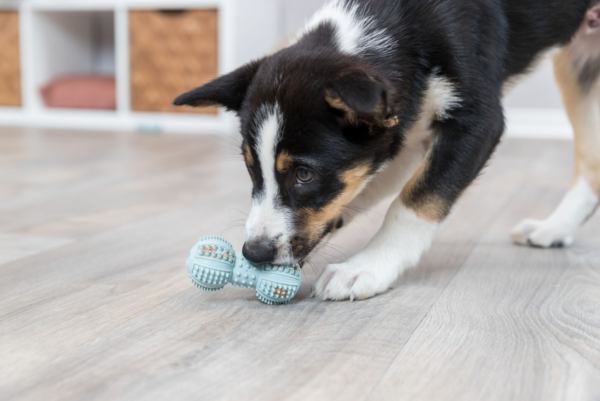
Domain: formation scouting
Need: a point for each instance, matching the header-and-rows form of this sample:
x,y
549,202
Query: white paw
x,y
541,233
351,280
397,246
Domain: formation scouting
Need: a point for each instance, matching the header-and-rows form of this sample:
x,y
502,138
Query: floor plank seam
x,y
462,263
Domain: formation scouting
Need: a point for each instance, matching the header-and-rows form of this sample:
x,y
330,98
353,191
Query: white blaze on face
x,y
268,218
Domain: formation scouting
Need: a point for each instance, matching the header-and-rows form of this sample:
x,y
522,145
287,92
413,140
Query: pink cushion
x,y
81,92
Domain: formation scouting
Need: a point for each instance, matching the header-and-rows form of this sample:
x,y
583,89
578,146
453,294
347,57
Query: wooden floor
x,y
95,302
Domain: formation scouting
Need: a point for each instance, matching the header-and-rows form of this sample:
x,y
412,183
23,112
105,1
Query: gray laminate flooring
x,y
95,303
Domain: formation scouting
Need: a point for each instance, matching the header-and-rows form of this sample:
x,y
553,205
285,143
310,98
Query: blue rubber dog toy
x,y
212,264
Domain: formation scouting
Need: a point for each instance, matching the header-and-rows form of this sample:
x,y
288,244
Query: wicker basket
x,y
171,53
10,65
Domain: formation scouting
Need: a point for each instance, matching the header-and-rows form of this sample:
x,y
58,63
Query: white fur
x,y
268,218
441,98
356,31
577,205
397,246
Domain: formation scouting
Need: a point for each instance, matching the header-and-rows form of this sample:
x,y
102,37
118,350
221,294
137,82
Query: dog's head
x,y
316,128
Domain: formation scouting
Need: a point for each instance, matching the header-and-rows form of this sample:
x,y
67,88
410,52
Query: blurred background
x,y
117,65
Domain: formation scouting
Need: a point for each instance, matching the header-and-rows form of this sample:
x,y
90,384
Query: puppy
x,y
410,90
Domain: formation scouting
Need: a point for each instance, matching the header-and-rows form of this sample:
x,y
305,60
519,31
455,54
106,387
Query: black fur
x,y
360,92
227,91
477,45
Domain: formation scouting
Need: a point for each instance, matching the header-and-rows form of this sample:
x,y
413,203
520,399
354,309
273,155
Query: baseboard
x,y
538,123
103,120
521,123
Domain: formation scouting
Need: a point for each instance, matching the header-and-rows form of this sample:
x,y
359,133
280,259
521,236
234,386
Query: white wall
x,y
538,90
295,13
251,16
251,31
534,106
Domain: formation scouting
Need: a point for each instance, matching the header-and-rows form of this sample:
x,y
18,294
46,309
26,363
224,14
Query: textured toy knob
x,y
212,264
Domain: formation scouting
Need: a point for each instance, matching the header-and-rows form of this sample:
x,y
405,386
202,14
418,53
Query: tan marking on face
x,y
391,122
248,156
584,115
284,162
316,221
432,208
336,102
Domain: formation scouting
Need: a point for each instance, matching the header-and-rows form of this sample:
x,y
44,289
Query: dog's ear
x,y
362,99
227,91
593,19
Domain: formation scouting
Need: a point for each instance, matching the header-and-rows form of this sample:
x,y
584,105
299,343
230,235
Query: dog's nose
x,y
261,251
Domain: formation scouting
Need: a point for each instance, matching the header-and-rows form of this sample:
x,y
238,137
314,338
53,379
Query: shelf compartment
x,y
171,52
10,64
70,45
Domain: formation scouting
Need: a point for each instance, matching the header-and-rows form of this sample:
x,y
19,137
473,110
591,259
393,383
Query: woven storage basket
x,y
10,65
171,53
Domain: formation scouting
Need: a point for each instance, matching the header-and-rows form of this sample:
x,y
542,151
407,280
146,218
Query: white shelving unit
x,y
84,36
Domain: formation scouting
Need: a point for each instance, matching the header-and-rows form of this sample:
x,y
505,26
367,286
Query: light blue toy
x,y
212,264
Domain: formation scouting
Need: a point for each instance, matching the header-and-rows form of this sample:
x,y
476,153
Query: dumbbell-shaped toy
x,y
212,264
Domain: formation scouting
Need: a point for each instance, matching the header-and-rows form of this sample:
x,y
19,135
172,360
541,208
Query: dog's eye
x,y
304,176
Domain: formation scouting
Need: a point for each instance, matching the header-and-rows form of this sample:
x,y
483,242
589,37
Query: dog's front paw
x,y
542,234
350,280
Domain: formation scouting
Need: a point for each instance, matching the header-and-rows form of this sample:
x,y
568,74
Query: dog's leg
x,y
390,181
439,99
459,152
577,69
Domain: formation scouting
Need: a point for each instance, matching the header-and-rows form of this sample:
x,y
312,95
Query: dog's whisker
x,y
359,223
237,223
229,228
238,210
313,267
342,254
336,247
324,257
364,210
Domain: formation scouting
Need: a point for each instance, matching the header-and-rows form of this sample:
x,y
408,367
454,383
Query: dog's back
x,y
520,28
534,25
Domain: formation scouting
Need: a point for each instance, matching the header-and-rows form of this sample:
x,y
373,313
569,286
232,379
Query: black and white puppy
x,y
407,89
